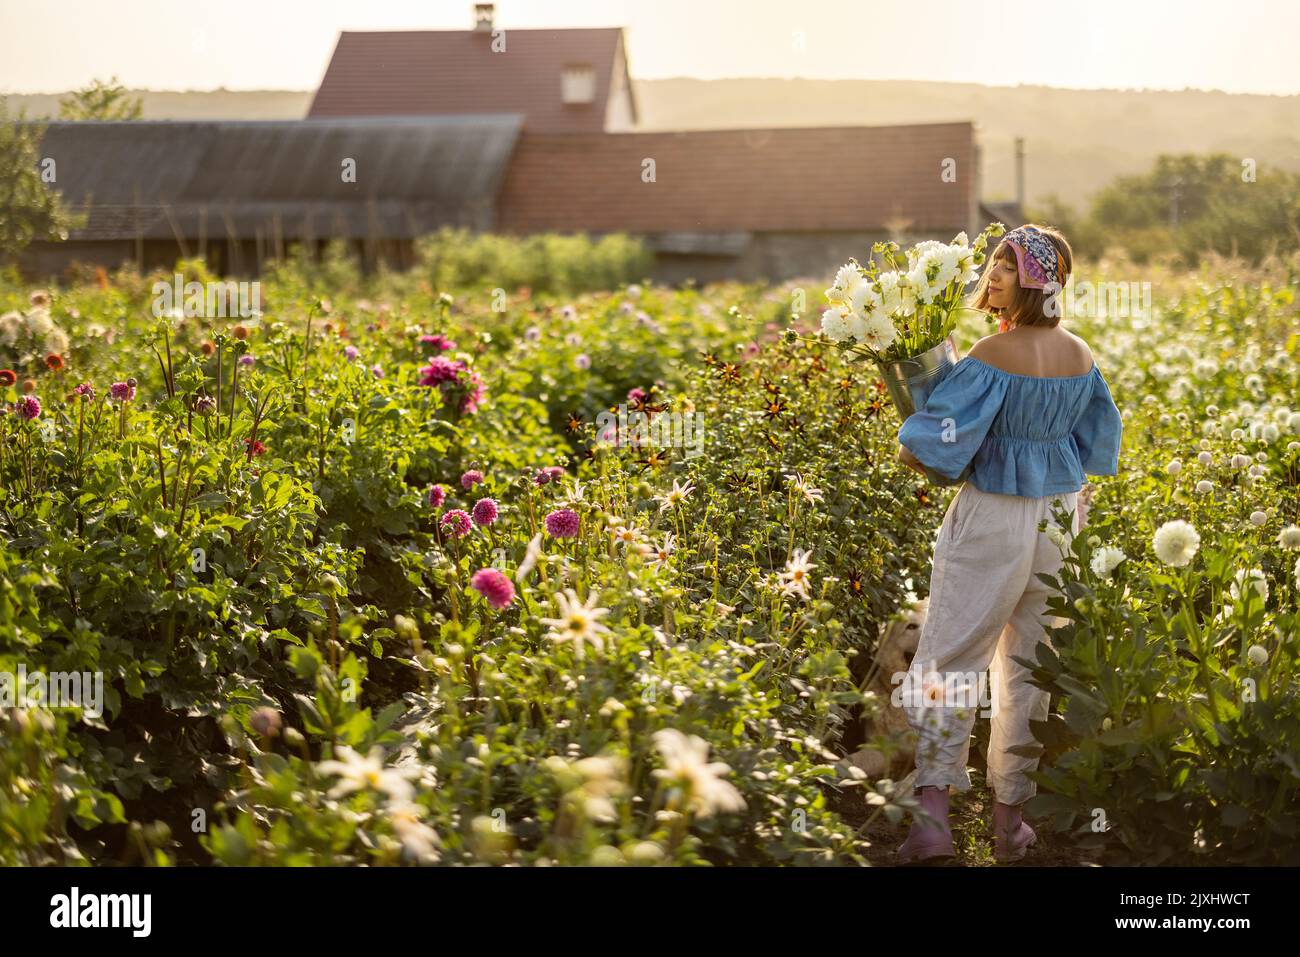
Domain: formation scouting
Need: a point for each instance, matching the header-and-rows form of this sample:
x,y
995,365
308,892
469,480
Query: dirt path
x,y
971,816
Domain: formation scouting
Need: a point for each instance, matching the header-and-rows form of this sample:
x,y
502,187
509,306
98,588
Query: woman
x,y
1031,413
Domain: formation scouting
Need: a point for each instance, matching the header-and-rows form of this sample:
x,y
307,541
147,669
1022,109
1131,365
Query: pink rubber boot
x,y
1012,837
929,839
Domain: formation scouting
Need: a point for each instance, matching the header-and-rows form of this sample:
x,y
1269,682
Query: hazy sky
x,y
1246,46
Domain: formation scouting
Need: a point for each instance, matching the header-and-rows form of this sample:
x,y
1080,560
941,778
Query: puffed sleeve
x,y
1098,431
947,431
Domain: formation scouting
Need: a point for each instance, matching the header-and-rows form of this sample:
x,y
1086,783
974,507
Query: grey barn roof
x,y
155,179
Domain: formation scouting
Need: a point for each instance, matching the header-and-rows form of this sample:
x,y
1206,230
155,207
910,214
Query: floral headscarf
x,y
1037,258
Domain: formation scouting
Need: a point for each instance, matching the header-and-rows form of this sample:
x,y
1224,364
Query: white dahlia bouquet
x,y
909,306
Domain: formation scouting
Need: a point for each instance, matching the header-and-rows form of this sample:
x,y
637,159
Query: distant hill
x,y
1075,140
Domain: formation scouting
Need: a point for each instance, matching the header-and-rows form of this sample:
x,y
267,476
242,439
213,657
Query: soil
x,y
971,815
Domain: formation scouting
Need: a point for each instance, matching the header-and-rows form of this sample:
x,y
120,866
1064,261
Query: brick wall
x,y
824,178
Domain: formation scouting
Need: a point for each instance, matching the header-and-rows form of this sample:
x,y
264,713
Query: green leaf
x,y
1234,815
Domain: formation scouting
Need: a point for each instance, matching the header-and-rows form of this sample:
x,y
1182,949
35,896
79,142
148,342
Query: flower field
x,y
370,579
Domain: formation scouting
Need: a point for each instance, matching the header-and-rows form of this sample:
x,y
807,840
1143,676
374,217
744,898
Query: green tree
x,y
1179,190
1190,205
101,101
29,209
1253,219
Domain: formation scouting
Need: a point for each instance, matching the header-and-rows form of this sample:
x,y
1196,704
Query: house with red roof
x,y
512,131
563,81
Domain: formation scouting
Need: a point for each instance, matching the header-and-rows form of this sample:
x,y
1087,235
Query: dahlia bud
x,y
265,721
406,628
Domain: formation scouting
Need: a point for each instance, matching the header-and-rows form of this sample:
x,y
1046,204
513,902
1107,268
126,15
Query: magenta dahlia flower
x,y
121,392
470,479
456,523
562,523
494,586
351,352
485,511
439,370
437,495
439,342
457,382
29,407
551,473
474,393
85,389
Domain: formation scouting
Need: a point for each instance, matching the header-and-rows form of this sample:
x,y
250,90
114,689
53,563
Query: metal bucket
x,y
910,382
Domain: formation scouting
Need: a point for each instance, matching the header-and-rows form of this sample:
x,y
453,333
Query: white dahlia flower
x,y
1255,577
1176,542
835,324
1105,559
878,332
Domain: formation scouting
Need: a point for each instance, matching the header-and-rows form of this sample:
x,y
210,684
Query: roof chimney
x,y
482,18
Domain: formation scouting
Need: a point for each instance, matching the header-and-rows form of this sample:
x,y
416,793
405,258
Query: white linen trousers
x,y
986,604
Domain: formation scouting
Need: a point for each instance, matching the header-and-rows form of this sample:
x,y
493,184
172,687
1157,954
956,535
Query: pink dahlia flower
x,y
439,370
562,523
485,511
439,342
494,586
551,473
457,382
475,391
456,523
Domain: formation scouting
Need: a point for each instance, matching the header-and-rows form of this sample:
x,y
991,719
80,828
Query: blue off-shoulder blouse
x,y
1019,434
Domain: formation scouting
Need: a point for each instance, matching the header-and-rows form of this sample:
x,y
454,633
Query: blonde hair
x,y
1028,305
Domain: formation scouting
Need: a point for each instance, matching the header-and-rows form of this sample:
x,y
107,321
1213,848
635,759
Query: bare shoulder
x,y
1084,351
1030,351
985,349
